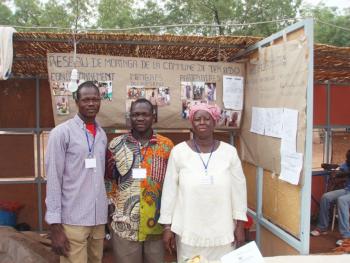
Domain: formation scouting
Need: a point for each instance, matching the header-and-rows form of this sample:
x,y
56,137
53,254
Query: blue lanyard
x,y
198,151
90,147
141,156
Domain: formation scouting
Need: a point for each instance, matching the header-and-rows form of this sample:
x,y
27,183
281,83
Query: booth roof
x,y
30,49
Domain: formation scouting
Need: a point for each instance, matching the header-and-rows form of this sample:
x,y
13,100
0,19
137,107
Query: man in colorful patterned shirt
x,y
136,165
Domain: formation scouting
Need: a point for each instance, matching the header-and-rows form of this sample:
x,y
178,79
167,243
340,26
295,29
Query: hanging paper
x,y
233,92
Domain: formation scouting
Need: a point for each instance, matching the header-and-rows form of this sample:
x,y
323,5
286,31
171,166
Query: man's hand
x,y
169,240
239,234
111,209
60,244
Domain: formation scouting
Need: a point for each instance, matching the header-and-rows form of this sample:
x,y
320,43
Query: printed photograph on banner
x,y
60,88
62,104
163,96
186,106
198,90
210,91
106,89
135,92
230,118
159,97
152,95
186,90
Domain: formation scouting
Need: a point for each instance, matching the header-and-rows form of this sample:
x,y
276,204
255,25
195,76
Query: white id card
x,y
206,180
90,163
139,173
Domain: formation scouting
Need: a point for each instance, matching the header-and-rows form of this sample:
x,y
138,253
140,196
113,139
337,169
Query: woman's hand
x,y
169,240
60,243
239,234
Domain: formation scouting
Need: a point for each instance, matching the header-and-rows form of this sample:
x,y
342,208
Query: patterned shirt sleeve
x,y
110,164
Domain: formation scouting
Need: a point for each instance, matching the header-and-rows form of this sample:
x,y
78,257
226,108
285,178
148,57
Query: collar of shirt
x,y
81,123
152,141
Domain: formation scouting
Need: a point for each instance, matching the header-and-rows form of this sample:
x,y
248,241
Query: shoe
x,y
317,232
339,242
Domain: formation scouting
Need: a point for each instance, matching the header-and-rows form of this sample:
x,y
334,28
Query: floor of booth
x,y
16,245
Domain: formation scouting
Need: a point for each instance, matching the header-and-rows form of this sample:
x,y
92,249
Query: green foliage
x,y
27,13
55,15
149,15
83,12
198,17
325,33
271,10
115,14
6,16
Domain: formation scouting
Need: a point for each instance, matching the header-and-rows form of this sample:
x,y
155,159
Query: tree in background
x,y
115,14
55,14
325,33
252,11
27,12
199,17
6,16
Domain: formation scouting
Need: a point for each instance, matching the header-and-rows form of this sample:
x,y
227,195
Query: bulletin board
x,y
171,85
276,78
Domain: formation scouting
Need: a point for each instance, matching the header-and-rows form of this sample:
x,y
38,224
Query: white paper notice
x,y
273,122
233,92
258,120
246,254
289,131
291,164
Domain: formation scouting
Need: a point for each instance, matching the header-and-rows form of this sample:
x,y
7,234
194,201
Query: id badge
x,y
139,173
90,163
206,180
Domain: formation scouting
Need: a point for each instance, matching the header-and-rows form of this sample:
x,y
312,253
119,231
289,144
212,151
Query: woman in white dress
x,y
204,199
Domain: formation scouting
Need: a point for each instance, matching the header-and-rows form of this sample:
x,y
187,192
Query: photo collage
x,y
196,92
193,93
62,94
158,96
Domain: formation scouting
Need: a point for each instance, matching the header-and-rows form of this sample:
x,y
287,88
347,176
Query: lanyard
x,y
90,147
141,156
198,151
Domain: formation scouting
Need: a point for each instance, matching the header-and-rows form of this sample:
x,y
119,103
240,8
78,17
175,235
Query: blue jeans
x,y
343,203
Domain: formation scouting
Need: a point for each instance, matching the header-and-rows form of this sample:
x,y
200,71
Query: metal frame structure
x,y
328,126
303,243
38,179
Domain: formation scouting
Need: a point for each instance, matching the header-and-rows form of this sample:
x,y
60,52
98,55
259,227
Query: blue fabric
x,y
7,218
343,202
342,197
345,168
321,173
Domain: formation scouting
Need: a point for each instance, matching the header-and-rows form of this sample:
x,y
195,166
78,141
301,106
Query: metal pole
x,y
259,203
305,208
328,122
38,160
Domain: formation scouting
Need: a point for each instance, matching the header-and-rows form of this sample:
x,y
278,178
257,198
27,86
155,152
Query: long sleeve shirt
x,y
75,195
202,212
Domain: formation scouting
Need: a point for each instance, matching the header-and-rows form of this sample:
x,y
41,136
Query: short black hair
x,y
348,154
86,84
142,100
